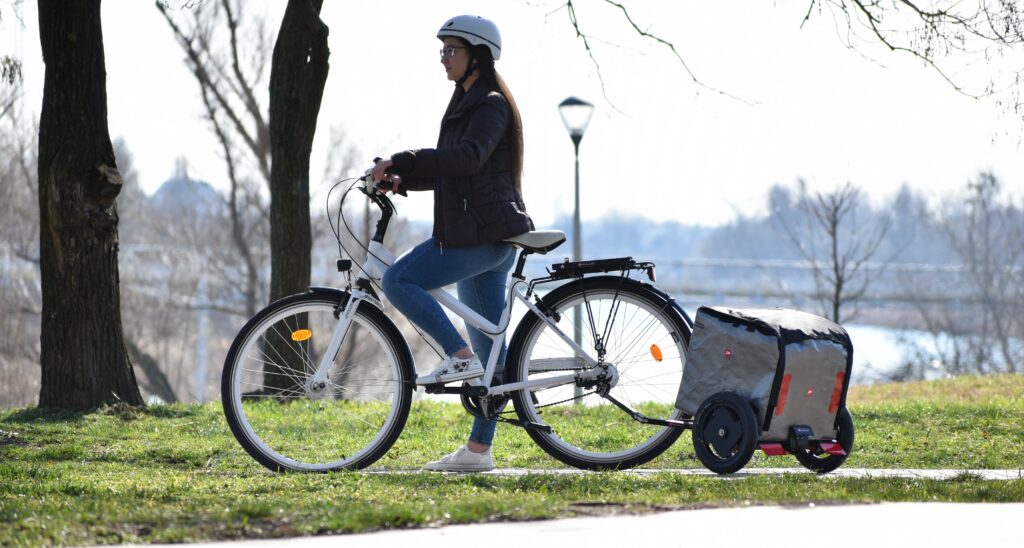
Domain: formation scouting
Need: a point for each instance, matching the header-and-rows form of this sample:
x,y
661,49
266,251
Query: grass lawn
x,y
175,473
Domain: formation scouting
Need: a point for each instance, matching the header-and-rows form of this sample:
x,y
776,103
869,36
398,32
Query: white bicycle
x,y
324,380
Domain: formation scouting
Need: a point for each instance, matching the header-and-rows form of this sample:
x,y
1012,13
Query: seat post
x,y
520,264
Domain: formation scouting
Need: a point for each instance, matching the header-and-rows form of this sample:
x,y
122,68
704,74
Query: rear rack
x,y
567,269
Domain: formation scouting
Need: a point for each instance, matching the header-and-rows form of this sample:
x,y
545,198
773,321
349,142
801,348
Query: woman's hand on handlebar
x,y
379,173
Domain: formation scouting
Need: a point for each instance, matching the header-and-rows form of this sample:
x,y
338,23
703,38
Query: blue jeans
x,y
481,275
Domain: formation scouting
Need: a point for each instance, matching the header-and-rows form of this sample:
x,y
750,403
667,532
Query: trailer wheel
x,y
725,432
822,462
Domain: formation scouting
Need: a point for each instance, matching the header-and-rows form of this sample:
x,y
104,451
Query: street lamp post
x,y
576,117
576,114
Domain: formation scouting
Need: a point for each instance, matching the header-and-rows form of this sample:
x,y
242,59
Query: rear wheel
x,y
822,462
641,340
286,424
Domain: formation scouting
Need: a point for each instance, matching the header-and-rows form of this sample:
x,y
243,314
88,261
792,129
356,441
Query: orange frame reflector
x,y
783,392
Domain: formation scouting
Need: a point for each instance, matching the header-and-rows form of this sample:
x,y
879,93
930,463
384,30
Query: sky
x,y
798,103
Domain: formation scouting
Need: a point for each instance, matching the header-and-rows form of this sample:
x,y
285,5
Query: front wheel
x,y
283,421
637,336
725,432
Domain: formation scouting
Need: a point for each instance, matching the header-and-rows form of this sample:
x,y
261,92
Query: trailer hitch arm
x,y
643,419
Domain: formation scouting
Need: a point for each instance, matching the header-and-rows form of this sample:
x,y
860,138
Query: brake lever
x,y
369,187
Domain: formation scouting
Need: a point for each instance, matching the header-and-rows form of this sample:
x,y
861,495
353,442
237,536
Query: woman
x,y
475,173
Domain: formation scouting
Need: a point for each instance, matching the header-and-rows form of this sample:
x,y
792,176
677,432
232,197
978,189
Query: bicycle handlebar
x,y
376,193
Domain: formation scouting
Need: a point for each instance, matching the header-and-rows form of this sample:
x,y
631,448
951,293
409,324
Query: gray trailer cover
x,y
766,355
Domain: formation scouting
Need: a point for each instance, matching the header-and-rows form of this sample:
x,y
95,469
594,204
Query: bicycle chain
x,y
557,402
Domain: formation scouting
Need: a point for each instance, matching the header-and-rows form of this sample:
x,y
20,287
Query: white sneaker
x,y
453,369
463,460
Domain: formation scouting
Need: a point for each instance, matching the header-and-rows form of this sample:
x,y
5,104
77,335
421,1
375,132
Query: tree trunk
x,y
83,359
297,77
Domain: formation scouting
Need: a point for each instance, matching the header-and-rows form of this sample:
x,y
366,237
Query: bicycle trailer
x,y
773,379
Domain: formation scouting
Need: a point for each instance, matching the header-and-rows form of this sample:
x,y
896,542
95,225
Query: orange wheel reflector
x,y
301,335
656,352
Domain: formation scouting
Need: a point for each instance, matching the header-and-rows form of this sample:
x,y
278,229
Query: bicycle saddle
x,y
538,241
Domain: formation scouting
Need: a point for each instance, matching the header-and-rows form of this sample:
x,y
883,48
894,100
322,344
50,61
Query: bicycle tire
x,y
648,343
725,433
351,422
824,463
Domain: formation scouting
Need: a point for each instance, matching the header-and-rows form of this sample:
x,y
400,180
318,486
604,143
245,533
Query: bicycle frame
x,y
379,258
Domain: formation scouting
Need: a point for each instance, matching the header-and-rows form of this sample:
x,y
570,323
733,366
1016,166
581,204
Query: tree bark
x,y
84,361
297,78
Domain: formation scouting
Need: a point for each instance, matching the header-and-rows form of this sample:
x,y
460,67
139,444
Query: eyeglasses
x,y
448,52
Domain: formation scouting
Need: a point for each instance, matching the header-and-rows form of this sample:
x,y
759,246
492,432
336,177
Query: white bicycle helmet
x,y
474,29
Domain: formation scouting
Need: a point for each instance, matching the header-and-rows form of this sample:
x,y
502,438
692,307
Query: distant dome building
x,y
185,197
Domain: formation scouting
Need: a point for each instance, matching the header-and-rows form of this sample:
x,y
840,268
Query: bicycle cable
x,y
337,234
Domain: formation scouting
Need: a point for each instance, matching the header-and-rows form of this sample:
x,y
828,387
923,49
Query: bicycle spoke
x,y
282,370
302,358
349,423
590,431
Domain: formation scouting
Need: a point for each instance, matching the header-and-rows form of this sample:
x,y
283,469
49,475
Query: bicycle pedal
x,y
433,388
464,389
536,426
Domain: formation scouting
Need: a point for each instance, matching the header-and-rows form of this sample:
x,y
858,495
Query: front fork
x,y
316,383
378,259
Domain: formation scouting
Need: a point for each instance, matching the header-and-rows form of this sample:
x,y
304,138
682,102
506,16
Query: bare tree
x,y
83,359
19,222
297,79
20,298
10,67
130,204
837,236
281,143
229,76
973,317
947,35
989,238
132,196
964,41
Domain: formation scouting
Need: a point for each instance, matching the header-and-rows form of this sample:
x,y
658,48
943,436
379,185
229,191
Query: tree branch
x,y
570,8
256,143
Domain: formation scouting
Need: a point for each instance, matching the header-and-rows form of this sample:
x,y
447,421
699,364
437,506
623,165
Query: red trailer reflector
x,y
837,392
832,448
773,449
783,392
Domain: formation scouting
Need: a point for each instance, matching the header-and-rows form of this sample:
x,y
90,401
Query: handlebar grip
x,y
370,170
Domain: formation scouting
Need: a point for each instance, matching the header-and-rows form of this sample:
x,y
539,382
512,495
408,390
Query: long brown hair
x,y
485,64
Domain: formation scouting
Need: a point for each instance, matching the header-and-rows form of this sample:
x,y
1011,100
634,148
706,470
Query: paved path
x,y
901,525
748,472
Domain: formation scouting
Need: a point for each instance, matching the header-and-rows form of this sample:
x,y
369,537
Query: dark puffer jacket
x,y
470,172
